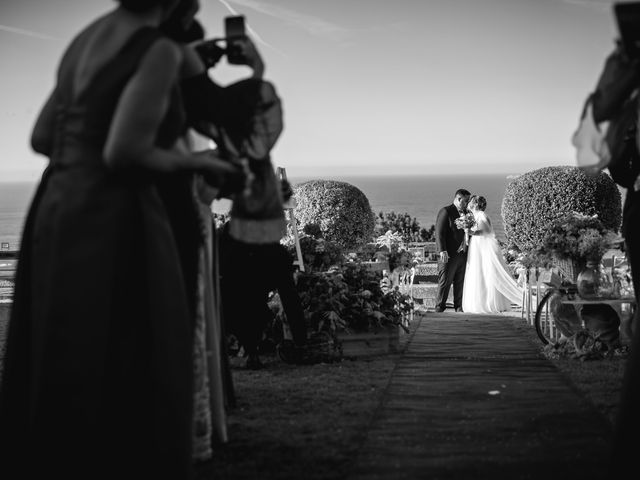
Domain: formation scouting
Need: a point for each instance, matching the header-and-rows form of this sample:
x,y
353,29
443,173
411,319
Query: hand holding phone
x,y
210,52
237,46
234,32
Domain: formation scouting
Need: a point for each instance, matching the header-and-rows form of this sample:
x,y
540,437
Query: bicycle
x,y
558,314
546,319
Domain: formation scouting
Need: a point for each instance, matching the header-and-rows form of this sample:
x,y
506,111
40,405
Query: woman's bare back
x,y
96,46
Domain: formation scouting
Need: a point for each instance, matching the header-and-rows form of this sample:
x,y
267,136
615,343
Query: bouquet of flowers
x,y
465,222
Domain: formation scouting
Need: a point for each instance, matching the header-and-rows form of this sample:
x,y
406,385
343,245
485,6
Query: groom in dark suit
x,y
452,251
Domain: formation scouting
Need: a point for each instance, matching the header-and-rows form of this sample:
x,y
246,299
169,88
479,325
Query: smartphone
x,y
234,29
627,17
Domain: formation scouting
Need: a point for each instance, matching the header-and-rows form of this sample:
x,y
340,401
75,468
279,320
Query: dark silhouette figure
x,y
614,100
244,119
250,272
98,369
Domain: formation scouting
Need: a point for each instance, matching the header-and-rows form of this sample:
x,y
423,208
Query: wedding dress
x,y
488,285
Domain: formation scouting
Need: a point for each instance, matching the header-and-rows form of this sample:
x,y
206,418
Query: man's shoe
x,y
459,309
439,309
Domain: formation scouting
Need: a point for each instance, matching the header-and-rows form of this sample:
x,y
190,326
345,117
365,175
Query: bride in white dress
x,y
488,285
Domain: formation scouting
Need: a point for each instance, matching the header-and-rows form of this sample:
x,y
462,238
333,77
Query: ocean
x,y
421,196
14,202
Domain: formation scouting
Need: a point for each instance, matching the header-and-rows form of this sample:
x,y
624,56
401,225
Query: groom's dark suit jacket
x,y
448,236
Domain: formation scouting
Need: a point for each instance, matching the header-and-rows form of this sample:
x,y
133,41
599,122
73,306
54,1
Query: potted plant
x,y
582,240
347,306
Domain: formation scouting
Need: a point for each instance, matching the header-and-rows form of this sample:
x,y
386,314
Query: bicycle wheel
x,y
545,321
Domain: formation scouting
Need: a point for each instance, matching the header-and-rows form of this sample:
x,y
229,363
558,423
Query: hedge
x,y
535,199
340,209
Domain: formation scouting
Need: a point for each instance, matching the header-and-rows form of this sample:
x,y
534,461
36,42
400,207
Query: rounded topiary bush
x,y
340,209
535,199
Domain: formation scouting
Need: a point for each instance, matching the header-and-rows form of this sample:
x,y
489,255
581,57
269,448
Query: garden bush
x,y
349,299
533,201
318,254
340,209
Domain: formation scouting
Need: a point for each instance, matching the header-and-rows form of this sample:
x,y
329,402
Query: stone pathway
x,y
472,399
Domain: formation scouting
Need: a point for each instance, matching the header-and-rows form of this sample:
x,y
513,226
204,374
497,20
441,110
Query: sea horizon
x,y
420,195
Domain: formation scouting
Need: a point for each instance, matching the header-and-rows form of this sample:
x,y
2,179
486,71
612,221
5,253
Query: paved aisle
x,y
471,399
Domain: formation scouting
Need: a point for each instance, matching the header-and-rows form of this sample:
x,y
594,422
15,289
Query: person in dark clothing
x,y
615,100
249,272
450,244
244,120
98,375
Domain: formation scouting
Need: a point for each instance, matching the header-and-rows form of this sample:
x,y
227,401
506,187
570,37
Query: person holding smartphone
x,y
245,120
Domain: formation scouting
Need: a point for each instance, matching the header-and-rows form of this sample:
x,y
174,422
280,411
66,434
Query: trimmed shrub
x,y
535,199
340,209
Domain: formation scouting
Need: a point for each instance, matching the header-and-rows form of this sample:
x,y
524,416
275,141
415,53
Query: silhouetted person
x,y
98,370
613,100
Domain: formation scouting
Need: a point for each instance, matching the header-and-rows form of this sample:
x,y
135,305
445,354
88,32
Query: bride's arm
x,y
483,226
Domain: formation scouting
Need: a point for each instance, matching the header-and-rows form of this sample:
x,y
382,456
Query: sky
x,y
368,86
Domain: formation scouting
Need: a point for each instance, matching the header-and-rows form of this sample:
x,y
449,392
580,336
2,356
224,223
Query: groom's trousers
x,y
451,273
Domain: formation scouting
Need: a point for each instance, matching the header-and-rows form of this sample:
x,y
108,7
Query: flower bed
x,y
348,304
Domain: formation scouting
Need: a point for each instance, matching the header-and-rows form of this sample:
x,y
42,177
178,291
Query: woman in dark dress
x,y
98,369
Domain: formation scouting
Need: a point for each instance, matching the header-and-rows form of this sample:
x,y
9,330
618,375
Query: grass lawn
x,y
299,421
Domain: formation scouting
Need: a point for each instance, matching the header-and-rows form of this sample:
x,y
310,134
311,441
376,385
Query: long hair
x,y
480,201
